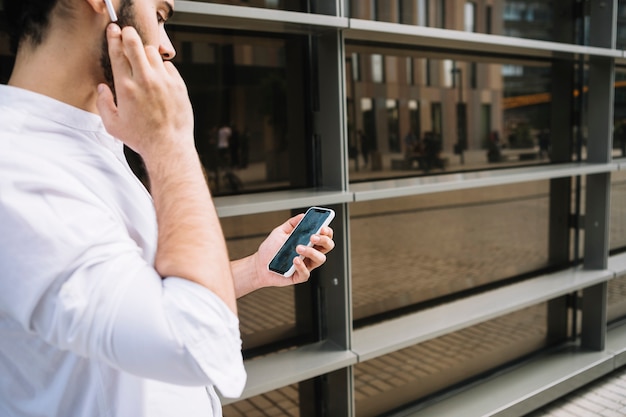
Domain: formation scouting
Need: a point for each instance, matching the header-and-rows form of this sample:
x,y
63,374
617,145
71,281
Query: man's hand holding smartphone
x,y
308,257
311,224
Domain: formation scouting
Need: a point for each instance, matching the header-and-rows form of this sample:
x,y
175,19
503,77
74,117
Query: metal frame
x,y
324,368
597,198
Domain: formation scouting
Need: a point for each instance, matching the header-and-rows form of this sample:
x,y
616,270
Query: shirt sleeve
x,y
189,326
73,275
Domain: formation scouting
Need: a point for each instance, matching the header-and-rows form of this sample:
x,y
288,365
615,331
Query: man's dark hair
x,y
27,20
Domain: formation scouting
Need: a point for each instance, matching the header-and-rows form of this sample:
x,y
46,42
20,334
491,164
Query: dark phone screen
x,y
301,235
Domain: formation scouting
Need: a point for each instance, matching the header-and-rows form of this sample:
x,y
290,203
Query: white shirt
x,y
87,326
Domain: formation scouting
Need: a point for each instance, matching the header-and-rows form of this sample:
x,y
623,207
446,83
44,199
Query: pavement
x,y
605,397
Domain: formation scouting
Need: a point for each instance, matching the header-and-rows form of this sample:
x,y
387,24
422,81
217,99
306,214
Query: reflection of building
x,y
457,99
399,93
242,81
528,19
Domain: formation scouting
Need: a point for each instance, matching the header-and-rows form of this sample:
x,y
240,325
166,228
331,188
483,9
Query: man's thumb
x,y
106,105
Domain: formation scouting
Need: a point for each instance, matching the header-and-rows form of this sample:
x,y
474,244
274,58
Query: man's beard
x,y
125,17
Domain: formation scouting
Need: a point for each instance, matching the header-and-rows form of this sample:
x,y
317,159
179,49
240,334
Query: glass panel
x,y
250,102
621,24
617,234
407,375
266,316
532,19
619,113
386,10
249,98
616,309
6,57
413,250
474,115
282,402
414,12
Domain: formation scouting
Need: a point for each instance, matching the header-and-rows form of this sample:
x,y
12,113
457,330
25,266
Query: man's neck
x,y
58,71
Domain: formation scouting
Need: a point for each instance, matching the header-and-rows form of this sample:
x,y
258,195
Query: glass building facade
x,y
474,153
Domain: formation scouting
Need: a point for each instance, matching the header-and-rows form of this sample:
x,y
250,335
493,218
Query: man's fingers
x,y
105,103
135,51
119,63
154,57
291,223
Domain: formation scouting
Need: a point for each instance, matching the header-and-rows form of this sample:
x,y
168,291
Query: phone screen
x,y
314,219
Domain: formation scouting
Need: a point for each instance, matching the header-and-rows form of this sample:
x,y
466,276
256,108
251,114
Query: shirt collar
x,y
40,105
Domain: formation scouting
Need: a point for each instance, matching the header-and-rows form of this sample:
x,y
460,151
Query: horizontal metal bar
x,y
253,18
239,205
281,369
281,21
526,388
368,30
534,383
244,204
377,190
380,339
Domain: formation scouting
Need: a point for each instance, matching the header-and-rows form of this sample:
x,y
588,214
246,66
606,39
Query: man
x,y
100,315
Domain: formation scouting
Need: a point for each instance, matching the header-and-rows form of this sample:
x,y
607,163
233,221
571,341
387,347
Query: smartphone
x,y
314,219
111,10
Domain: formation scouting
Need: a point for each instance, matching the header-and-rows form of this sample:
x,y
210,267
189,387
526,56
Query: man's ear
x,y
99,6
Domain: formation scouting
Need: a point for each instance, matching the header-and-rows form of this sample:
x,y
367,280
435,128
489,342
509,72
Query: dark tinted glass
x,y
267,316
621,24
250,103
616,310
407,375
619,114
413,250
249,97
6,57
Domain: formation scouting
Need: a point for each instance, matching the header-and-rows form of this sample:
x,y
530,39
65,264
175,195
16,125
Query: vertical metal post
x,y
602,33
562,118
332,394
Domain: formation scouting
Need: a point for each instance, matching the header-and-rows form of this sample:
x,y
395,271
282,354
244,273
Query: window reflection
x,y
284,402
6,57
249,98
619,114
533,19
266,316
621,24
617,233
388,382
441,114
616,308
418,249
